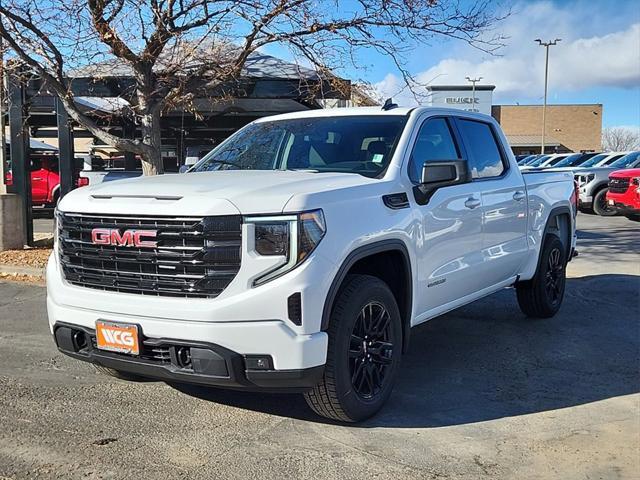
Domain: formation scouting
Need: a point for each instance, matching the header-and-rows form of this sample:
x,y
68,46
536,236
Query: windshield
x,y
539,161
528,158
554,161
626,161
570,160
350,144
594,160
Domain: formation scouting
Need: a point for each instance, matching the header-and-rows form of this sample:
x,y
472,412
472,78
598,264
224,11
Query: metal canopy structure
x,y
268,86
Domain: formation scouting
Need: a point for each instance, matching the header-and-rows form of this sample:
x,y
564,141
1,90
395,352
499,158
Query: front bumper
x,y
208,363
289,349
585,201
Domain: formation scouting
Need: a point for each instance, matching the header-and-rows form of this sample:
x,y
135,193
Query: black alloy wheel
x,y
554,276
371,350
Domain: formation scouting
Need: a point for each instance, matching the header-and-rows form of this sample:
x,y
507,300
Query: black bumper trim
x,y
624,209
235,376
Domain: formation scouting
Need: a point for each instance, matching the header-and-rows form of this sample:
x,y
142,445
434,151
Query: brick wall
x,y
578,127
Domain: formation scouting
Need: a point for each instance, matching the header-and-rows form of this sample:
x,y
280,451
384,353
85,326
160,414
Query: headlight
x,y
290,237
272,238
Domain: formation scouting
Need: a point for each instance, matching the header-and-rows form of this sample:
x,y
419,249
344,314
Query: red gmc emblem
x,y
128,238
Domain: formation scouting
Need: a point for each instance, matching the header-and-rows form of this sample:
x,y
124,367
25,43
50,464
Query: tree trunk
x,y
150,126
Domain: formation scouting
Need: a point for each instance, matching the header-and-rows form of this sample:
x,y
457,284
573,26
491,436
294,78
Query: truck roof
x,y
357,111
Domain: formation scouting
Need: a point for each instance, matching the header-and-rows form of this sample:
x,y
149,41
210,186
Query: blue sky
x,y
597,61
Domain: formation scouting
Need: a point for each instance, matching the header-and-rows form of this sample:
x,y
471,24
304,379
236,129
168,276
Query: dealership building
x,y
569,128
273,86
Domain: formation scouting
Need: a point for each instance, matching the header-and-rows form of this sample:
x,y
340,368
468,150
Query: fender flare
x,y
54,190
555,212
363,252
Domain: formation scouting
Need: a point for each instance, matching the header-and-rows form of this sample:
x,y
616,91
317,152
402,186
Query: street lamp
x,y
473,89
546,45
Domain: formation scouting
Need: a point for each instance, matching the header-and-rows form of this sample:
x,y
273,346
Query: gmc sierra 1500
x,y
299,253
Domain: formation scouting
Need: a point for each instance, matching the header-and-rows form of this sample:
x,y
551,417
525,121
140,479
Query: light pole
x,y
546,45
473,90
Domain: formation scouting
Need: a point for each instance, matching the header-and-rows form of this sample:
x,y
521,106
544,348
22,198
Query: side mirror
x,y
439,174
183,169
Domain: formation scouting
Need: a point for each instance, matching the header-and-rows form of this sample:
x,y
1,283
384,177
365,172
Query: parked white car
x,y
546,161
299,253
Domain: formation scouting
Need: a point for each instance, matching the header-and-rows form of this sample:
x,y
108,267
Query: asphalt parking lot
x,y
484,393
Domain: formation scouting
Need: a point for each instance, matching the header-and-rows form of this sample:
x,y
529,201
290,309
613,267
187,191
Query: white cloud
x,y
581,60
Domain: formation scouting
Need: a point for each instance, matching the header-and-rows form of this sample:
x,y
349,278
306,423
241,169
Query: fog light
x,y
258,362
183,357
79,340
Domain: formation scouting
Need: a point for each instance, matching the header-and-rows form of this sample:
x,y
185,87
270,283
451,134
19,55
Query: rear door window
x,y
485,157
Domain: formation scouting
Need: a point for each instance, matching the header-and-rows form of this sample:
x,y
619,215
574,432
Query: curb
x,y
18,270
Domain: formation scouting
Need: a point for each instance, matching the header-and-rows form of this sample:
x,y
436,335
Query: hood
x,y
563,169
626,173
596,170
206,193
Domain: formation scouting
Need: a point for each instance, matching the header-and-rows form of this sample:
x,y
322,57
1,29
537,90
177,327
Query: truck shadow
x,y
626,241
487,361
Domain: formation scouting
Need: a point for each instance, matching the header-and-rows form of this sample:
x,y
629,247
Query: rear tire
x,y
600,205
112,372
363,357
541,297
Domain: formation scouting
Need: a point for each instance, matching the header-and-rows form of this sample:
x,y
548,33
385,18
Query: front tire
x,y
365,347
541,297
600,205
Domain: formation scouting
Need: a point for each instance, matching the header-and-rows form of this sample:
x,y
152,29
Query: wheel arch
x,y
558,224
600,186
55,192
398,276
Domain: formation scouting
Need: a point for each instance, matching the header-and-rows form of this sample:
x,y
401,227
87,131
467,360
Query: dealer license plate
x,y
117,337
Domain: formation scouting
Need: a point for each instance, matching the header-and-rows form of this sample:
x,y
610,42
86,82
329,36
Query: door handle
x,y
36,178
519,196
472,203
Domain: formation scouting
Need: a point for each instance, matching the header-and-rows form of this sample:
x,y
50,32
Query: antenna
x,y
389,105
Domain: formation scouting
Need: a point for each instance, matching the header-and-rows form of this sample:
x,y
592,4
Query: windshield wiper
x,y
223,162
289,169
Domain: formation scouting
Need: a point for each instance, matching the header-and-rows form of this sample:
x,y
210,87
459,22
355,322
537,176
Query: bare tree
x,y
173,48
620,139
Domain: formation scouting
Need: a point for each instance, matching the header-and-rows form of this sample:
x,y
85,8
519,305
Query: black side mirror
x,y
439,174
183,168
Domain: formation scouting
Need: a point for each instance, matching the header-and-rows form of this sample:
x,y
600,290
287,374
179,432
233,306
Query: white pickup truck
x,y
298,254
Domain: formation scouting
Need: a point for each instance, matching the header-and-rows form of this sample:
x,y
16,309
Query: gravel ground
x,y
31,257
483,394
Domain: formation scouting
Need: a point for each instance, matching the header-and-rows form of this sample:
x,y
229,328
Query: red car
x,y
45,180
624,192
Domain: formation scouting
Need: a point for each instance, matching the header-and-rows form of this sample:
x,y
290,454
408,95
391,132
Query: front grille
x,y
618,185
194,257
